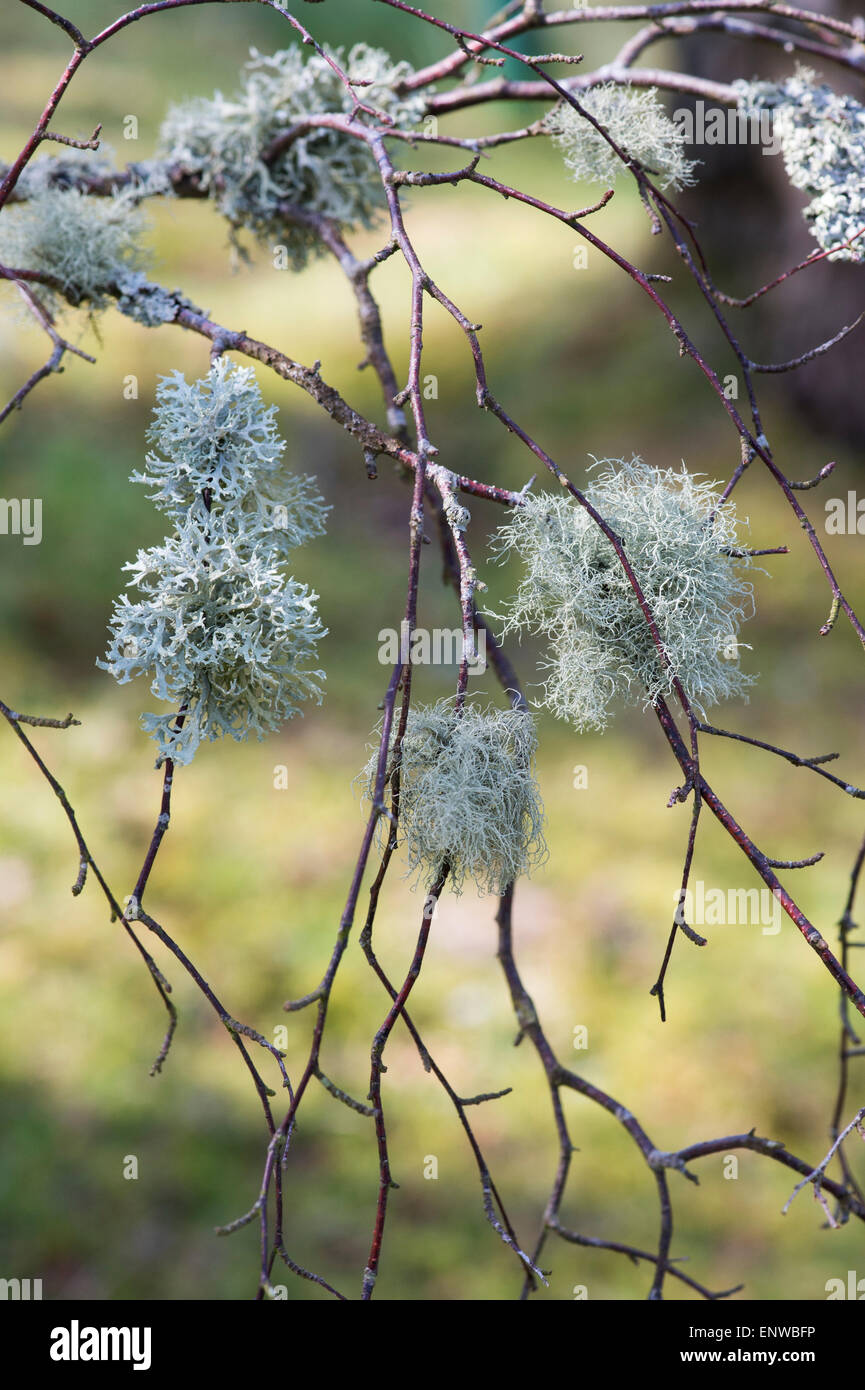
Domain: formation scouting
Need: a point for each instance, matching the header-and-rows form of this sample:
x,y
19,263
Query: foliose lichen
x,y
148,303
822,136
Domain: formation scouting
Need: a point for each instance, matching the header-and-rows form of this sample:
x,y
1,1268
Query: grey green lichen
x,y
677,533
224,636
222,142
822,137
636,120
87,245
468,800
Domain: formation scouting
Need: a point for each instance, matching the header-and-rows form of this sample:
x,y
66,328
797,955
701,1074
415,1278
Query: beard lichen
x,y
636,120
226,639
468,800
677,534
87,246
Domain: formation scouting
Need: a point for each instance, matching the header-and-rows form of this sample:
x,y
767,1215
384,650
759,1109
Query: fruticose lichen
x,y
226,639
468,800
87,245
822,138
636,120
574,592
223,141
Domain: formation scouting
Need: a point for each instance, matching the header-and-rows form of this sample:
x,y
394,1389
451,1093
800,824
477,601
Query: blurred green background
x,y
251,880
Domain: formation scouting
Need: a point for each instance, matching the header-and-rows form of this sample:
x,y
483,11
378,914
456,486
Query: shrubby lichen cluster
x,y
222,141
468,799
89,245
636,119
226,639
574,591
822,136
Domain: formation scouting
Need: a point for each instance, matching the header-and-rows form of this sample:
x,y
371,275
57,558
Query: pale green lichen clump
x,y
636,120
88,245
574,591
222,141
822,138
468,799
226,639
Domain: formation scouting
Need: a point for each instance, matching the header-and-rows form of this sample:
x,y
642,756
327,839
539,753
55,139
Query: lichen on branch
x,y
468,799
635,119
822,137
225,638
677,535
87,245
223,141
